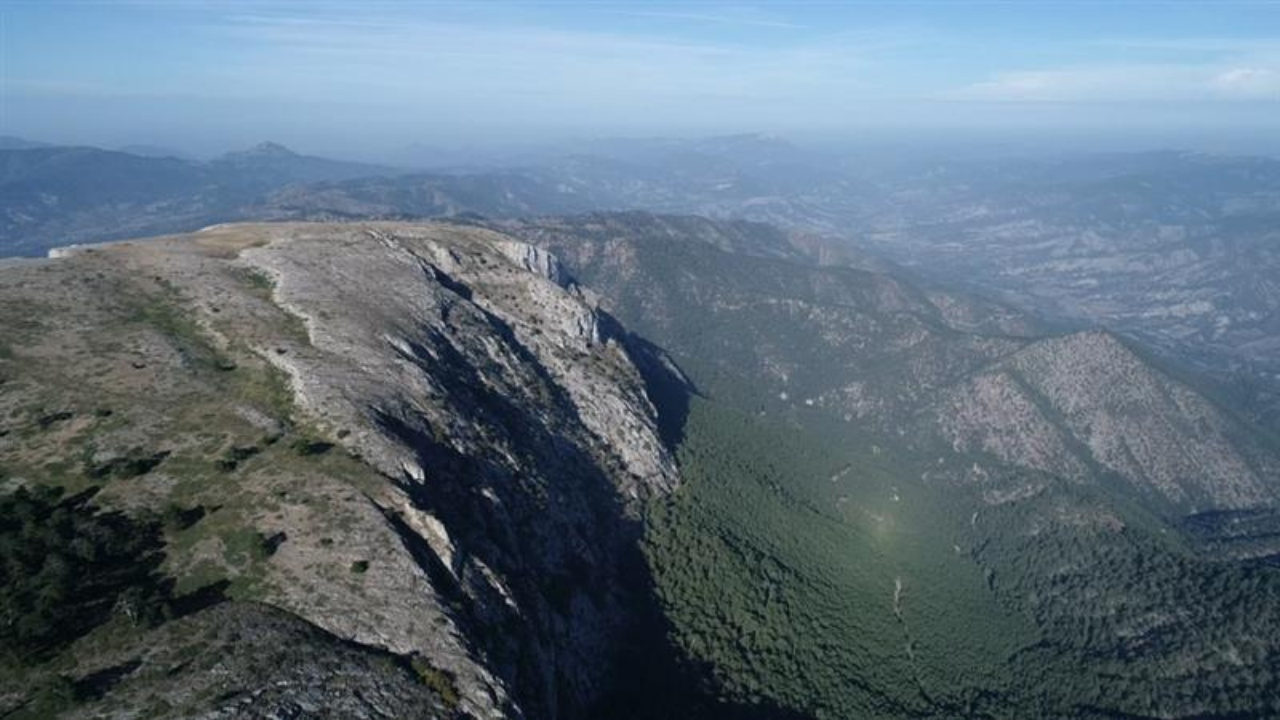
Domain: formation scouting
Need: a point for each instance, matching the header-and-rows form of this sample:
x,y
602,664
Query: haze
x,y
366,81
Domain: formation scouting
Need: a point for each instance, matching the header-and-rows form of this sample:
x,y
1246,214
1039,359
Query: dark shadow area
x,y
589,638
129,466
97,684
668,388
178,518
653,678
200,599
457,286
69,567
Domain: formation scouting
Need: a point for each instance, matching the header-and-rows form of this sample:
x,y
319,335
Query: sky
x,y
370,78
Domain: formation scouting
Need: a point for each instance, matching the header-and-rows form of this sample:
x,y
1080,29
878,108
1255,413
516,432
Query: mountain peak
x,y
266,149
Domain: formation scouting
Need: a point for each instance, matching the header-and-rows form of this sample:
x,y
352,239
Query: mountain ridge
x,y
522,459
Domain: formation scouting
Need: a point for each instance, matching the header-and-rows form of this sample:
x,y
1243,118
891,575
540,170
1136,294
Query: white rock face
x,y
534,259
516,440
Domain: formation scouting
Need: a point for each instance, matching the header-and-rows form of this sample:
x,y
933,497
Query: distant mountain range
x,y
1177,249
63,195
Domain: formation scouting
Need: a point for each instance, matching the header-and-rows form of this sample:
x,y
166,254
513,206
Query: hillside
x,y
865,471
418,440
55,196
539,468
1172,249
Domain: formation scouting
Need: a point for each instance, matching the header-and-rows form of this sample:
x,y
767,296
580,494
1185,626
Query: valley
x,y
486,458
639,361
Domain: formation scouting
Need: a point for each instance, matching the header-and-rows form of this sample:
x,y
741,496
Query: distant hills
x,y
63,195
155,151
9,142
1174,248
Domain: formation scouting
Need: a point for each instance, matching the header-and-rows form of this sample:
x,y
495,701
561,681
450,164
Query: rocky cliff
x,y
424,440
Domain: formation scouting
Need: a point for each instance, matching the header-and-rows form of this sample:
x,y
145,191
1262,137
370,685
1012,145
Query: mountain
x,y
1173,248
9,142
760,177
422,443
493,194
1084,404
56,196
613,464
1169,248
157,151
269,164
1053,522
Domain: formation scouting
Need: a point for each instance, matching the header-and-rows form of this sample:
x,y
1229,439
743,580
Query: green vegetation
x,y
1135,622
204,433
436,679
782,560
848,566
823,580
66,568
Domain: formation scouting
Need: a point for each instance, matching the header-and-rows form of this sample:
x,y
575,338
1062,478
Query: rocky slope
x,y
862,345
960,477
1174,248
869,348
1078,405
423,440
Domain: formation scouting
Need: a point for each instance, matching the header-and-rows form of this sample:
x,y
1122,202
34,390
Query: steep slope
x,y
436,452
869,347
893,483
423,440
1074,405
746,302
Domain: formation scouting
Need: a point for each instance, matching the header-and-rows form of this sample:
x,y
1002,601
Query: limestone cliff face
x,y
514,433
499,440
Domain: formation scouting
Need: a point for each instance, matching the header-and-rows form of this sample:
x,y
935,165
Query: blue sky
x,y
379,75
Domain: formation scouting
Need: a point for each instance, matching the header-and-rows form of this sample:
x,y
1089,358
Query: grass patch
x,y
438,680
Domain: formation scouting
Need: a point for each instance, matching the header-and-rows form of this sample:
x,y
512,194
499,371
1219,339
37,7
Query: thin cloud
x,y
748,19
1124,83
450,59
1249,83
